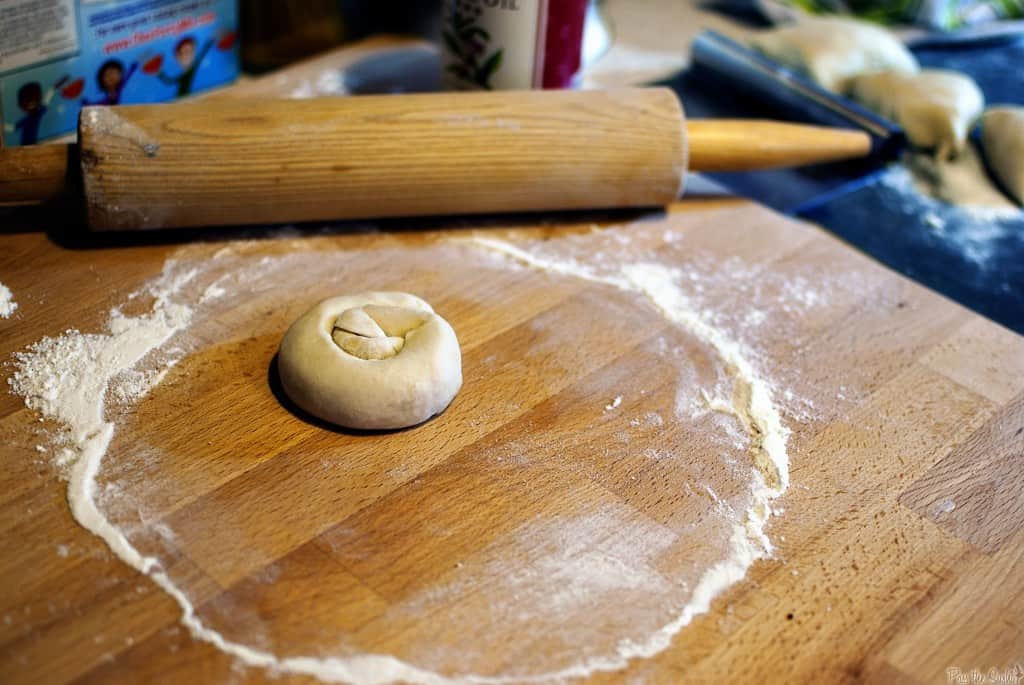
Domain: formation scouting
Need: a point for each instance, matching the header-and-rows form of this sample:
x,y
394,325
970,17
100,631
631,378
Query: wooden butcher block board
x,y
565,508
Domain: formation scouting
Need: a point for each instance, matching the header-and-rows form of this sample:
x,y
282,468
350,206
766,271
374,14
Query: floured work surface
x,y
594,483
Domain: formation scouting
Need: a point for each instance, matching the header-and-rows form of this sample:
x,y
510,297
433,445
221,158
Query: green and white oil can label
x,y
492,44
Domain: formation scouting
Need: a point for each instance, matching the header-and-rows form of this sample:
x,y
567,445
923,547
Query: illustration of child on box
x,y
111,80
186,57
34,104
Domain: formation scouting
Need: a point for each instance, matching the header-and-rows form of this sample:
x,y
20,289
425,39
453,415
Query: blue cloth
x,y
977,261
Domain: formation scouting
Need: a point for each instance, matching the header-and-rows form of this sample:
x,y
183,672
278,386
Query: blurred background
x,y
278,33
900,206
886,206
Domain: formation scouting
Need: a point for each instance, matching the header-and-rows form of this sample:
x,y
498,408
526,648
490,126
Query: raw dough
x,y
1002,134
961,181
935,107
377,360
831,50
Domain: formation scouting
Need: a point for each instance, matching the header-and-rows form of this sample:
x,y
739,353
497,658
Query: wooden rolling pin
x,y
233,162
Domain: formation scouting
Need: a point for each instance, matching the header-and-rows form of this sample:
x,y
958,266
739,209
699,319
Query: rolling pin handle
x,y
38,174
742,145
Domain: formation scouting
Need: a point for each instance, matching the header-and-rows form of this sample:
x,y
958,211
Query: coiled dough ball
x,y
377,360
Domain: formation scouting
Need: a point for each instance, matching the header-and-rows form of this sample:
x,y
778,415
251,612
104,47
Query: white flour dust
x,y
752,404
7,303
957,202
327,82
67,379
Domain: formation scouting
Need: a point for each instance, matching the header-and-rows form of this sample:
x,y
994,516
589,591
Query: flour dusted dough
x,y
961,181
377,360
1002,134
935,107
831,49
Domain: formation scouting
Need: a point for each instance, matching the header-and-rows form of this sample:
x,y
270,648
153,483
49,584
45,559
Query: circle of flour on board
x,y
590,557
378,360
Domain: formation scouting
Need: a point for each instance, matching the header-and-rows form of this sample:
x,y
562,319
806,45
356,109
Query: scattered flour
x,y
328,82
956,201
133,385
67,378
648,420
752,405
213,291
7,303
943,507
614,404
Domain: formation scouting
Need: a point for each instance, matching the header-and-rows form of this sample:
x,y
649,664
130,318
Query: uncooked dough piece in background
x,y
935,107
1002,135
377,360
961,181
831,50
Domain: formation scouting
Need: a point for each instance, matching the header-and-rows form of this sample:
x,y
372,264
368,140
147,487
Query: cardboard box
x,y
58,55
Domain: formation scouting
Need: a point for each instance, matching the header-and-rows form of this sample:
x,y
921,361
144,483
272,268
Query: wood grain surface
x,y
242,161
745,145
232,162
38,173
899,545
304,539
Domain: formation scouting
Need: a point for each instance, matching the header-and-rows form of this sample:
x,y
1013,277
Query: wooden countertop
x,y
899,545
